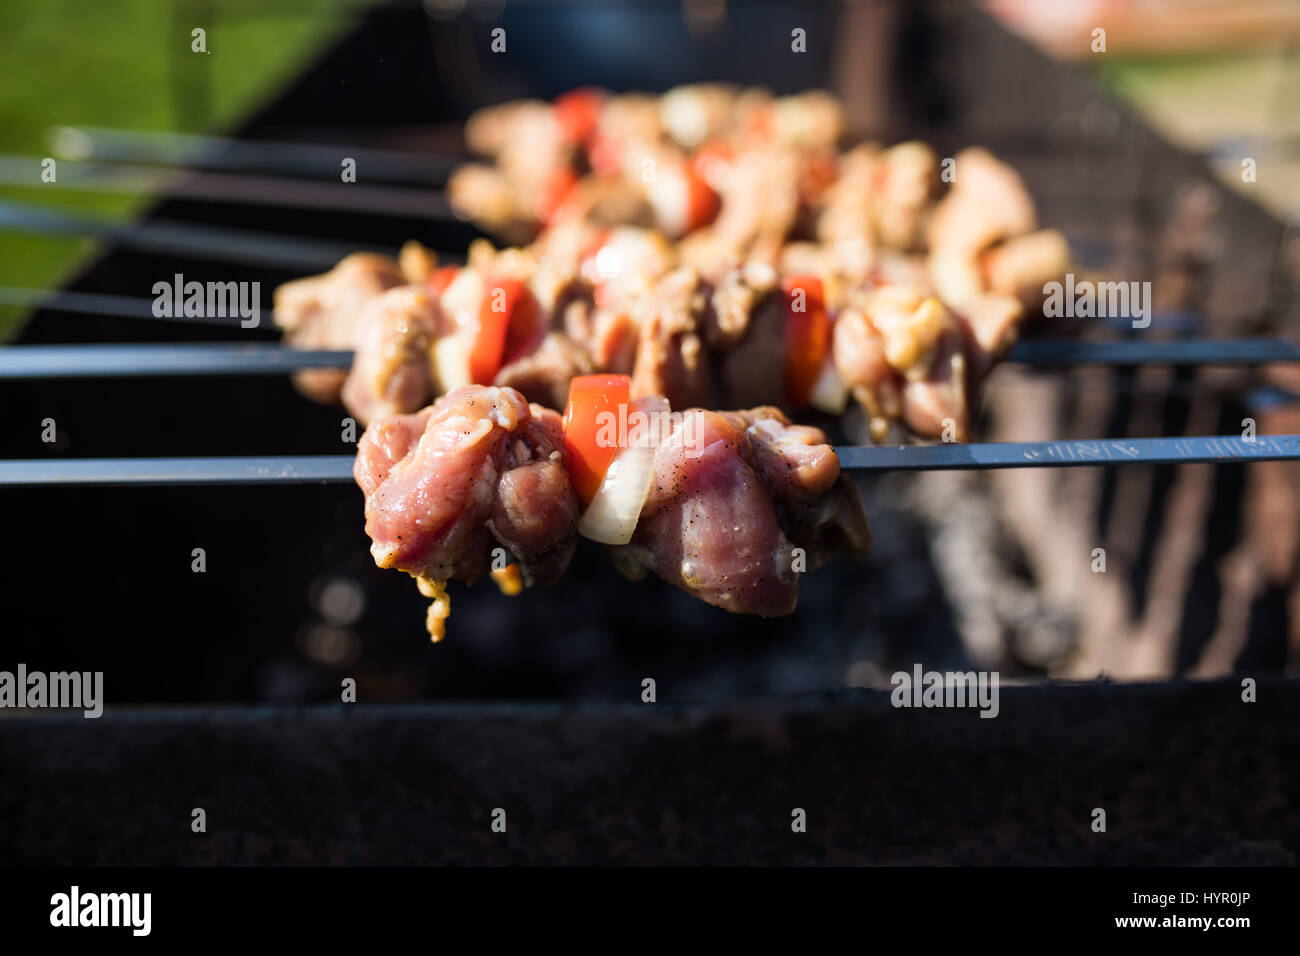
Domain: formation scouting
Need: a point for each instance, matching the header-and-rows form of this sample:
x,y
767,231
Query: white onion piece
x,y
829,393
613,513
451,361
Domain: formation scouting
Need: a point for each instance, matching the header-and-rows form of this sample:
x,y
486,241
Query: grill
x,y
534,703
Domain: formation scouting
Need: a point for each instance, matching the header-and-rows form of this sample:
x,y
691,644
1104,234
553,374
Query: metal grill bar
x,y
1048,354
214,243
1075,453
300,469
306,469
98,303
110,361
265,358
410,203
105,144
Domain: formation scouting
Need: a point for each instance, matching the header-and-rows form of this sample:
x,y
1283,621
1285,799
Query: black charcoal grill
x,y
223,686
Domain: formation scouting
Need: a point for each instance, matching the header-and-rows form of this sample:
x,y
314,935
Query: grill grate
x,y
1110,221
106,580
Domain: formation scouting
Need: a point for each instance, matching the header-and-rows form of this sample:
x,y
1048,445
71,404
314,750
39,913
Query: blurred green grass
x,y
1226,105
129,63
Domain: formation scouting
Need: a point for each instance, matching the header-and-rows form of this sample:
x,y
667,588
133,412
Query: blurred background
x,y
1134,151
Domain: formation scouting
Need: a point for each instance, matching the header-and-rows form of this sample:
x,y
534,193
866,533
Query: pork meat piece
x,y
733,495
321,312
817,504
937,405
905,357
1022,265
988,202
671,357
480,469
908,174
752,372
391,373
544,374
858,351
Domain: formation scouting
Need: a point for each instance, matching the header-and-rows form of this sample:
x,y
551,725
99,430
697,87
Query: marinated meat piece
x,y
671,358
391,372
904,356
841,266
992,322
481,469
858,351
624,263
908,173
738,293
808,120
910,324
486,196
321,312
607,202
613,341
899,268
956,276
752,372
682,201
532,176
417,261
710,525
937,405
847,211
698,112
1022,265
987,202
817,504
489,130
761,205
795,461
724,483
628,118
543,376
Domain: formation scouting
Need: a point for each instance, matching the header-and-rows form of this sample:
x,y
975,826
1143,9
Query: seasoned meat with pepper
x,y
479,470
544,374
671,357
391,373
733,496
320,312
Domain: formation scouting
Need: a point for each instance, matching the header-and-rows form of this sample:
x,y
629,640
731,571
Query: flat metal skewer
x,y
208,358
409,203
1045,353
182,239
309,469
103,303
266,358
104,144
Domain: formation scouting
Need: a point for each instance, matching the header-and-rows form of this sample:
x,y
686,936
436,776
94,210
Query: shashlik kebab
x,y
822,324
743,173
867,314
659,162
731,507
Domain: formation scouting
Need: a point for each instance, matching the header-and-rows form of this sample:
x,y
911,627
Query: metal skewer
x,y
214,243
309,469
208,358
232,188
266,358
104,144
